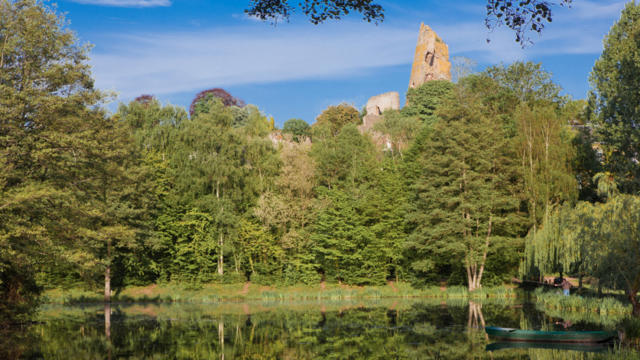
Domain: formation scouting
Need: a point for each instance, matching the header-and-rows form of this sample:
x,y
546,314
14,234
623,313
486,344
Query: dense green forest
x,y
486,179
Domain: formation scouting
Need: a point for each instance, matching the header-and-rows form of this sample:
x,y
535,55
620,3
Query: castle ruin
x,y
431,62
431,59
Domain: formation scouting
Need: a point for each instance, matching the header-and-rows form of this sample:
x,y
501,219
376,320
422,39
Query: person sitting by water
x,y
566,286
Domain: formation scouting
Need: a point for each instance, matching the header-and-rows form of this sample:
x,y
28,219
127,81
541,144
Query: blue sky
x,y
175,48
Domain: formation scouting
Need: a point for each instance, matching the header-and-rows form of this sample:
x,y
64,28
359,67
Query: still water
x,y
386,329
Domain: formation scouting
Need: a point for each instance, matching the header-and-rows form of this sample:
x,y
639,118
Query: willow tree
x,y
564,241
616,245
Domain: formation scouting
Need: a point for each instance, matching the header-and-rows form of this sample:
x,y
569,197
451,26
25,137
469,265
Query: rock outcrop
x,y
431,60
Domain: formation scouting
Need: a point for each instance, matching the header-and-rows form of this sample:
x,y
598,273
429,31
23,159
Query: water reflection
x,y
302,330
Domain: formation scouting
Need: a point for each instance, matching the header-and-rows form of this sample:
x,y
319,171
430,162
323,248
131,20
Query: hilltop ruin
x,y
431,59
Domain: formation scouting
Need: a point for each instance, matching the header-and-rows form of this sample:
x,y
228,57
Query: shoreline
x,y
213,293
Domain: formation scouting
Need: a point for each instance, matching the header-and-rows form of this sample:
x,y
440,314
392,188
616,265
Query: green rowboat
x,y
507,334
601,347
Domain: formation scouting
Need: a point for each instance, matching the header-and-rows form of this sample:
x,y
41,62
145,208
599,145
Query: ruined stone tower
x,y
431,60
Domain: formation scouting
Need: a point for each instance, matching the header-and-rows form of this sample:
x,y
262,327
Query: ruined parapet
x,y
376,106
431,60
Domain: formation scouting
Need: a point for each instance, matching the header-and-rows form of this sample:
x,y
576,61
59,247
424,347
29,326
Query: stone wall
x,y
376,106
379,104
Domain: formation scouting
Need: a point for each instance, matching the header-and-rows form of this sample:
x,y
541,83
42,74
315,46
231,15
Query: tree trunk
x,y
484,253
107,275
221,239
636,305
469,277
580,281
220,256
632,293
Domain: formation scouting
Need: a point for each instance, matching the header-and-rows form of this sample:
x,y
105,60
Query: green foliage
x,y
347,157
400,129
47,143
334,118
298,128
260,254
345,246
614,98
544,142
464,190
527,80
220,171
598,240
423,101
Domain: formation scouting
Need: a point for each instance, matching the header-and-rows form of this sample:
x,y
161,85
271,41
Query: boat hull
x,y
507,334
599,347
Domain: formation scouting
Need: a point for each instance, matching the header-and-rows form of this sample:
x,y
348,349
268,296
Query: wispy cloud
x,y
584,9
126,3
173,62
578,29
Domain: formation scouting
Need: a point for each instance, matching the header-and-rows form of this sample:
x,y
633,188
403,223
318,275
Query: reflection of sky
x,y
173,49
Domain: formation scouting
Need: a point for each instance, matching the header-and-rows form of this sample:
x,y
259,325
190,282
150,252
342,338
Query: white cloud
x,y
584,10
177,62
126,3
167,63
575,30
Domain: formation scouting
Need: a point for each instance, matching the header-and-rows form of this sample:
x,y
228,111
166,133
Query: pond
x,y
385,329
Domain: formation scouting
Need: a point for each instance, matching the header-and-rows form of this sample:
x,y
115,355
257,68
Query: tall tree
x,y
220,171
345,246
614,99
47,112
111,203
154,128
465,190
208,168
546,152
289,209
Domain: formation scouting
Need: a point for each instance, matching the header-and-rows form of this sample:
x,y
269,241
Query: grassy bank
x,y
605,306
210,293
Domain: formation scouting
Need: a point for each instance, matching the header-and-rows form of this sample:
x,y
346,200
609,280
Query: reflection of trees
x,y
476,320
107,327
221,338
429,331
